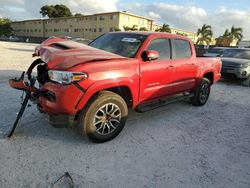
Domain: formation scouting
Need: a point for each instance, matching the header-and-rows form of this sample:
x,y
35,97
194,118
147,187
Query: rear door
x,y
157,75
185,64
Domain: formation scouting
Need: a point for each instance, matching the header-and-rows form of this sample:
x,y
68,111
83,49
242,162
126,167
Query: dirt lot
x,y
175,146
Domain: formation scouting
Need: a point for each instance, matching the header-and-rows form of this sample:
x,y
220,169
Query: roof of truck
x,y
147,33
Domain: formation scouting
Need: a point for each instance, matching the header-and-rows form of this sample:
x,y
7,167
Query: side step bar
x,y
162,102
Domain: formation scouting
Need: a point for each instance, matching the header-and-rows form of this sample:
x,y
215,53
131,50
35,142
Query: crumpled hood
x,y
65,54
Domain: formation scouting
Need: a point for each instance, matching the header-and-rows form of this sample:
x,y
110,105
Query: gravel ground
x,y
178,145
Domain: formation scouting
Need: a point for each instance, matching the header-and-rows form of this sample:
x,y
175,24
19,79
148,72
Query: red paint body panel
x,y
66,99
145,80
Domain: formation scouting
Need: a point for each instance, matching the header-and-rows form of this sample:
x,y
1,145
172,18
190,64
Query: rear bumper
x,y
58,99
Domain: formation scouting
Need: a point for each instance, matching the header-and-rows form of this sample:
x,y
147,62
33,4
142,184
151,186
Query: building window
x,y
126,18
113,17
141,21
101,29
39,30
102,18
94,29
95,18
35,30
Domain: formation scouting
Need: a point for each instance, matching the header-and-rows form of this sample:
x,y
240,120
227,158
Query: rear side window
x,y
162,46
182,49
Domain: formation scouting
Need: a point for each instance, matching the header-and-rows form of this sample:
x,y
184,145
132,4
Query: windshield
x,y
237,53
124,44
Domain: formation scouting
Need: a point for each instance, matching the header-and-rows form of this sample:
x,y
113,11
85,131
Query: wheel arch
x,y
122,89
210,76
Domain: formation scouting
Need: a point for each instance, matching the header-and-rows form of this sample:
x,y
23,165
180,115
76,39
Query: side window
x,y
162,46
182,49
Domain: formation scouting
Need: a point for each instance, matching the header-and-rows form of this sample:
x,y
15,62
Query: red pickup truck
x,y
95,85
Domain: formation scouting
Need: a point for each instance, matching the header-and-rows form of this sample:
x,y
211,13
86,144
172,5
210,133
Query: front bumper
x,y
58,99
239,73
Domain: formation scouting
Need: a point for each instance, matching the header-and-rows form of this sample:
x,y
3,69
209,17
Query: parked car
x,y
4,38
95,85
14,39
236,64
215,52
201,50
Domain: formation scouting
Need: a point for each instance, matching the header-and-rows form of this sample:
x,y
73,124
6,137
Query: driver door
x,y
157,75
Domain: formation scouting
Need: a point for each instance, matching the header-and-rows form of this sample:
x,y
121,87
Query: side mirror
x,y
151,55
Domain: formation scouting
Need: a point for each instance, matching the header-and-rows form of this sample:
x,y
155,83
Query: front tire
x,y
201,94
104,117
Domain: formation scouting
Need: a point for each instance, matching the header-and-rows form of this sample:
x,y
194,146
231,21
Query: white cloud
x,y
154,15
191,18
226,18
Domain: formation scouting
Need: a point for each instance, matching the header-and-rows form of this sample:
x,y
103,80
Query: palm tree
x,y
236,33
143,29
126,28
228,37
133,28
225,39
204,34
164,28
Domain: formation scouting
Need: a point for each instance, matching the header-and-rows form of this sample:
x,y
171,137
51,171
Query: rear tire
x,y
104,117
201,94
246,82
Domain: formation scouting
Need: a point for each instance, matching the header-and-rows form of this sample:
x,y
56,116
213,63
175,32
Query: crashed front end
x,y
61,83
57,94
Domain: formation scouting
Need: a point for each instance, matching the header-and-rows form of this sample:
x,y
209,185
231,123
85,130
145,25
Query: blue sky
x,y
183,14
